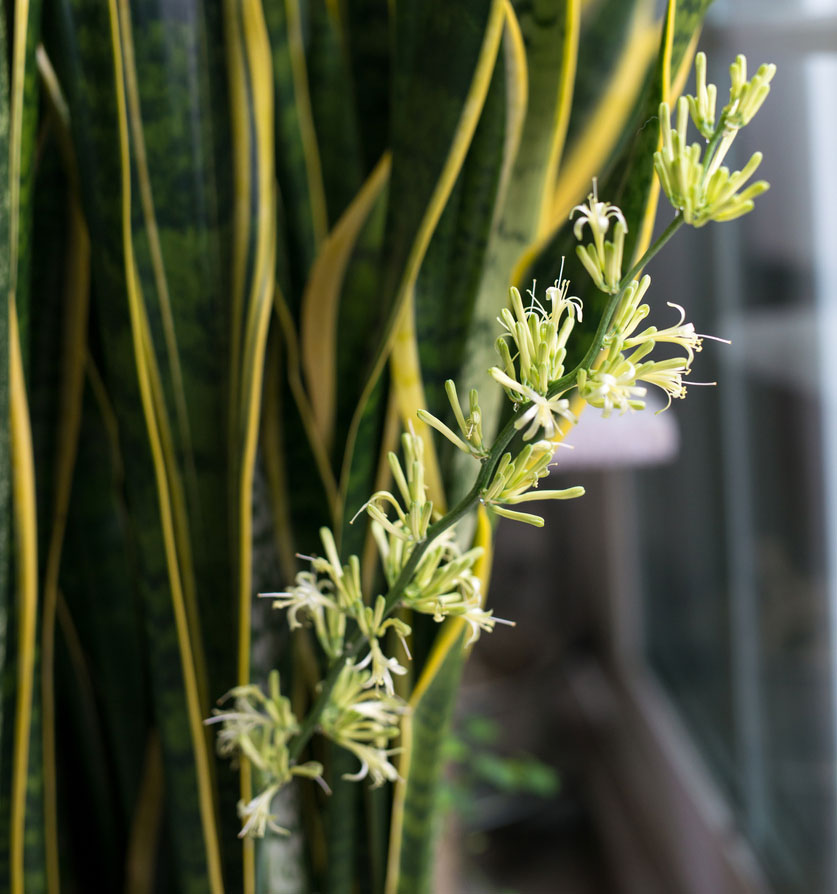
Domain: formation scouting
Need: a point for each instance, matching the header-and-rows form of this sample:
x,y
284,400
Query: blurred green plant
x,y
478,763
244,243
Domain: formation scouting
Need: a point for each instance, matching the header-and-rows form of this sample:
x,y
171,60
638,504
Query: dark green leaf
x,y
429,724
437,48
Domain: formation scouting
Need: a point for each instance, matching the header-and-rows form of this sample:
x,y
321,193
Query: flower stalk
x,y
424,569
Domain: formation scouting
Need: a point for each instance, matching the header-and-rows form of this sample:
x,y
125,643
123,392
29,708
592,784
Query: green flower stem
x,y
472,499
396,591
466,505
712,148
715,140
309,724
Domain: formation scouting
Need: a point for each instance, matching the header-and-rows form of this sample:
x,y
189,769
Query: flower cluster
x,y
420,559
695,180
258,727
411,523
363,721
540,337
515,481
614,383
470,426
330,596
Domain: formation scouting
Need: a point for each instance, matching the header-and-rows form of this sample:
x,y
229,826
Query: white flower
x,y
597,216
682,334
667,375
382,668
543,411
478,619
542,414
363,721
374,762
257,816
601,259
612,390
238,728
307,597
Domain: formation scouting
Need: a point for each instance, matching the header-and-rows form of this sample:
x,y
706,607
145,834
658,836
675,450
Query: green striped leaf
x,y
23,863
448,319
617,45
444,60
425,729
103,641
335,122
341,824
57,342
550,41
298,167
368,43
354,317
5,457
7,655
173,234
23,135
604,28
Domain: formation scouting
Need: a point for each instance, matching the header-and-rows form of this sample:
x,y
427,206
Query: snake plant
x,y
243,243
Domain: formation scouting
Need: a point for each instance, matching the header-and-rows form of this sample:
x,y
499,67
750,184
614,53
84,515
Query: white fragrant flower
x,y
681,333
257,816
345,579
601,258
310,601
381,668
374,763
668,375
543,412
373,625
612,388
445,586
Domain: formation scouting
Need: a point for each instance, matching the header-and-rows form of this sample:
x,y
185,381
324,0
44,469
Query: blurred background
x,y
677,628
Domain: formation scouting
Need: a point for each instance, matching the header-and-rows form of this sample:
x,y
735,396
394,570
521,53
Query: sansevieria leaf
x,y
22,855
242,244
463,42
550,41
415,809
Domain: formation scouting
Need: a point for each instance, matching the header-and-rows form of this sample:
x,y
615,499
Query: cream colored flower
x,y
602,259
543,412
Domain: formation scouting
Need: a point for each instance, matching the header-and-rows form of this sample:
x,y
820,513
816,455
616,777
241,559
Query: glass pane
x,y
737,536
